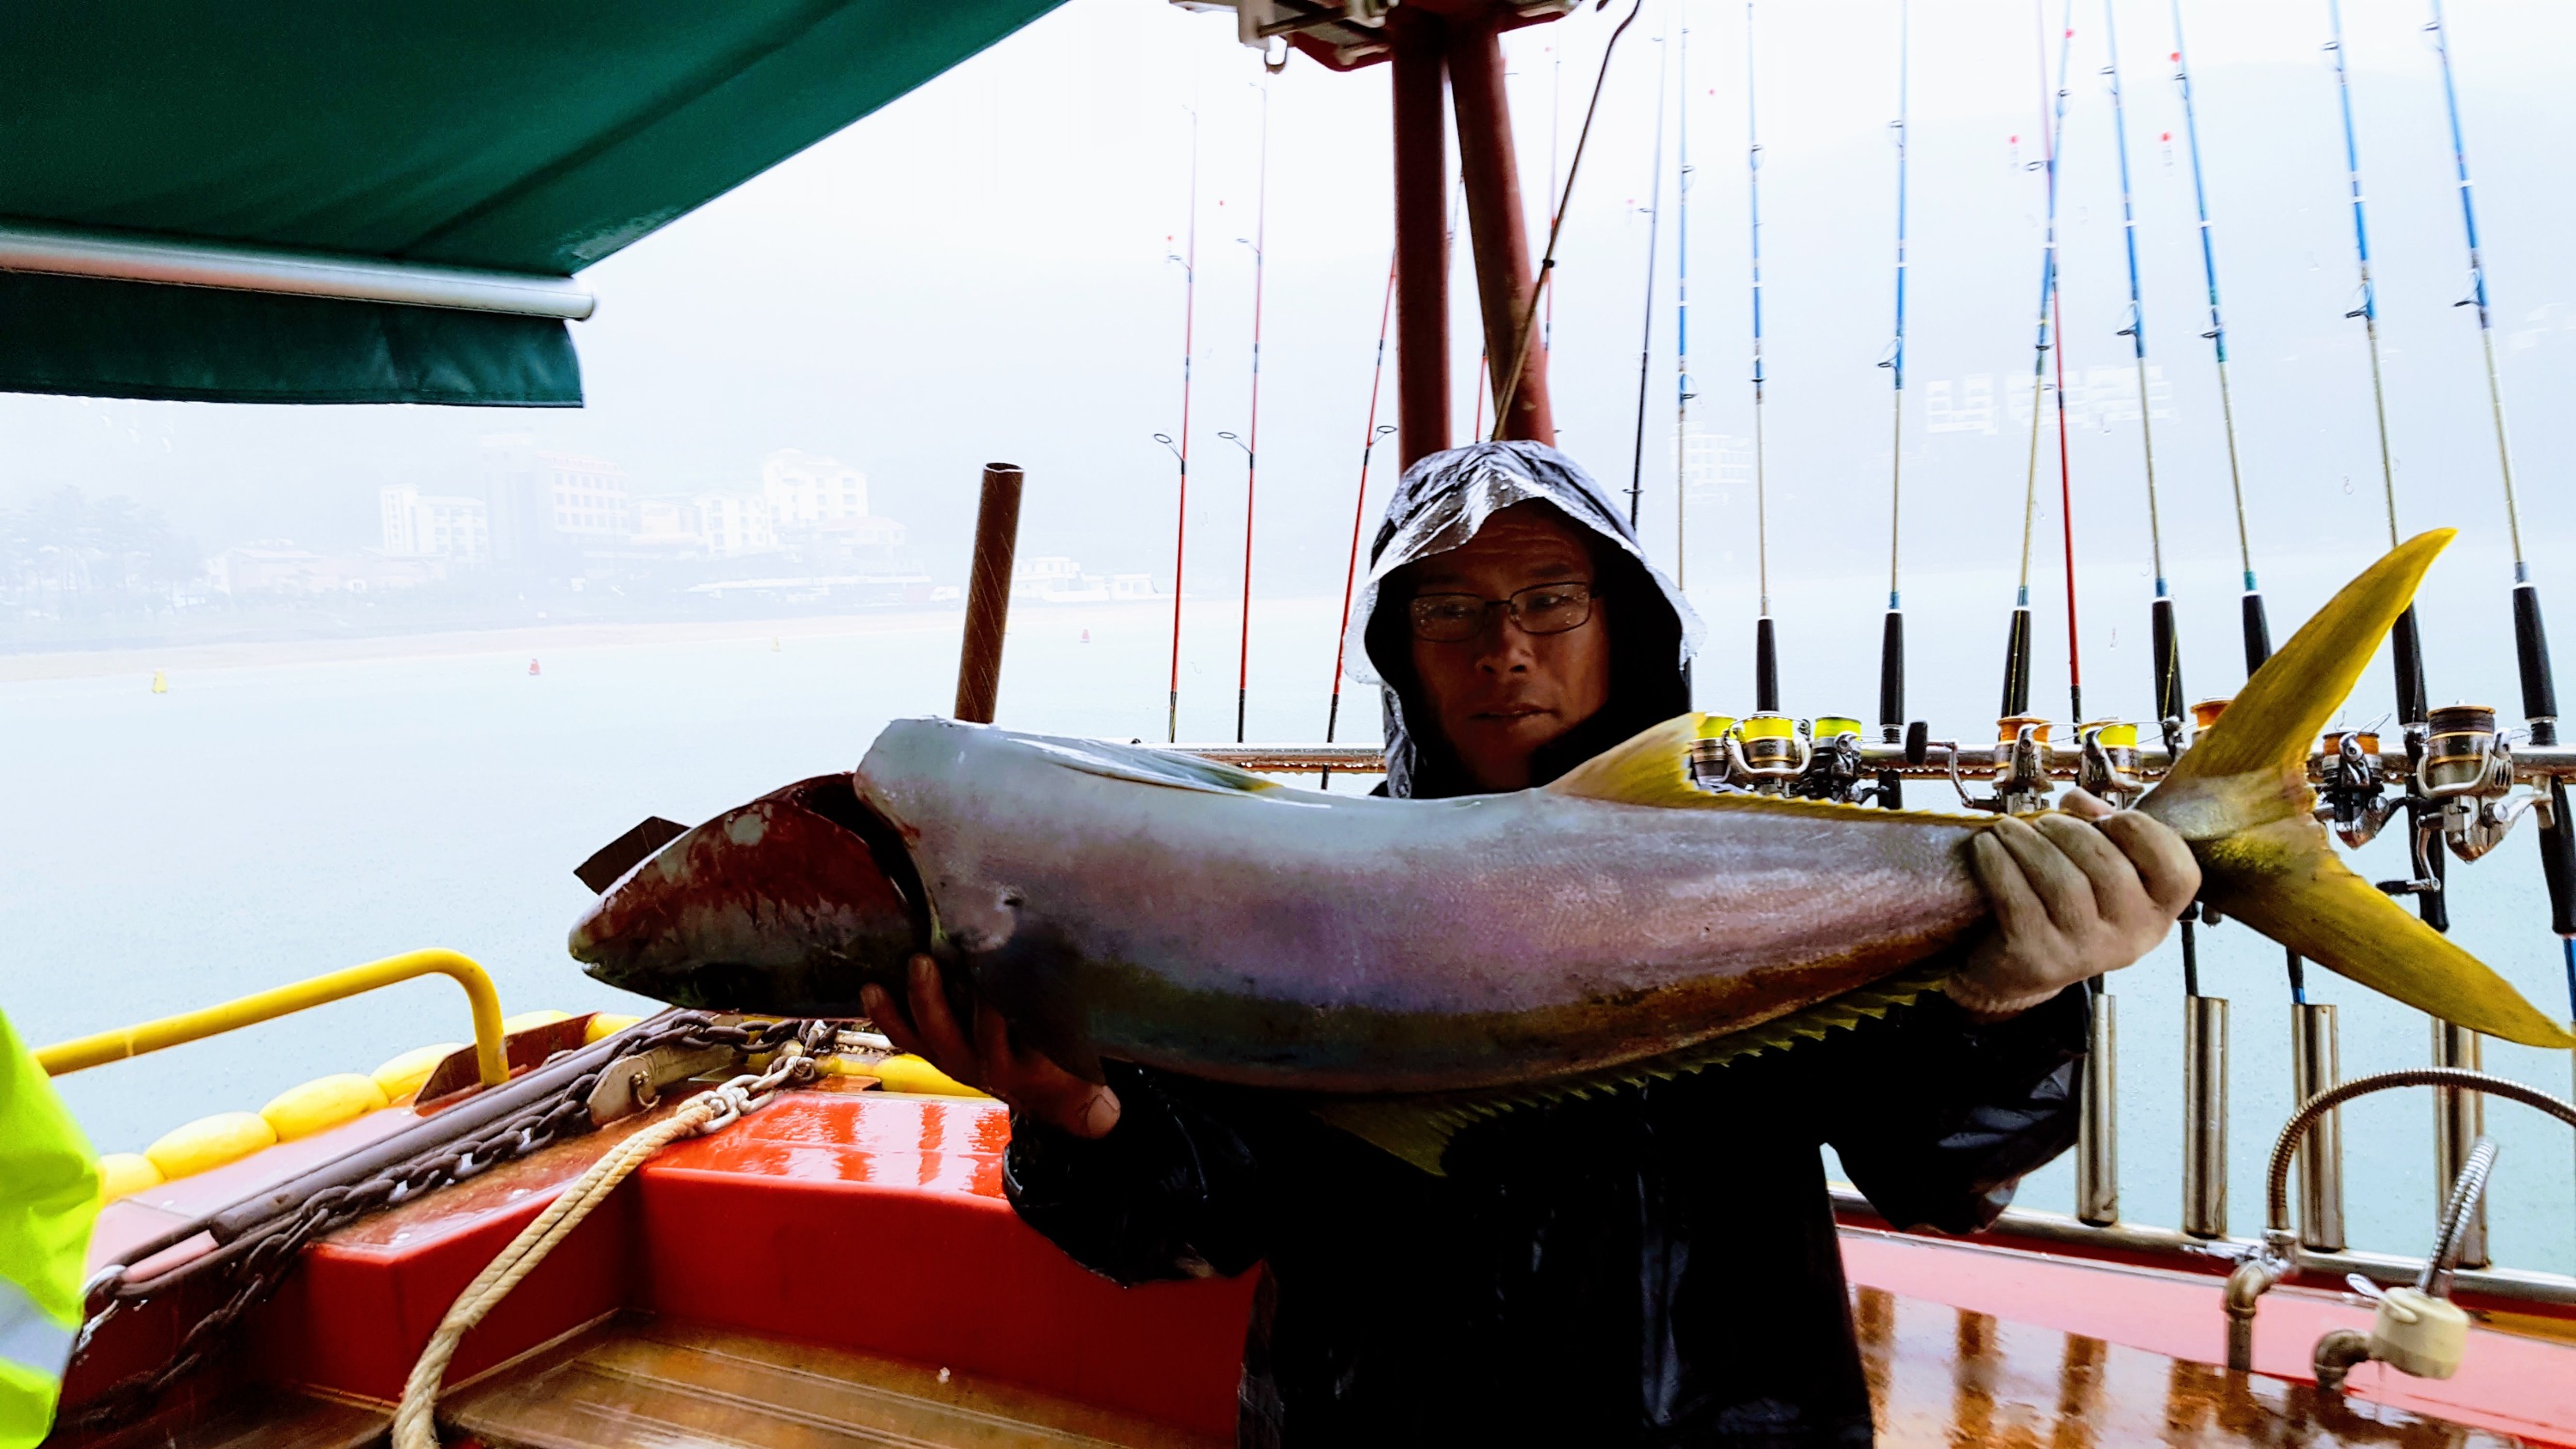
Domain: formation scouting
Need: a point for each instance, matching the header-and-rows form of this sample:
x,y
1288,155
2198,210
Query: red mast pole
x,y
1505,278
1421,227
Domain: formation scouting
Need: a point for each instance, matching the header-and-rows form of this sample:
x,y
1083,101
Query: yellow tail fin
x,y
2241,797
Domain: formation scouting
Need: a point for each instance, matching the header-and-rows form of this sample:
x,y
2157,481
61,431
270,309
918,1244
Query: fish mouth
x,y
787,904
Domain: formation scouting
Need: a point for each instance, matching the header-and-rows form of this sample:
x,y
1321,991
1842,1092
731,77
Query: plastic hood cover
x,y
1445,499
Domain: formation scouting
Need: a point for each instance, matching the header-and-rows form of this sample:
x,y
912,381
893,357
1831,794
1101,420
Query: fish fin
x,y
2241,797
1419,1129
1652,769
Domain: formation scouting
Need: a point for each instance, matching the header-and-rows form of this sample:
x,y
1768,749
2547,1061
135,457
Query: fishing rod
x,y
1555,135
1359,511
1766,650
2052,126
2257,627
2167,643
2530,635
1654,227
1252,444
1891,647
1681,318
1189,261
2405,643
1525,329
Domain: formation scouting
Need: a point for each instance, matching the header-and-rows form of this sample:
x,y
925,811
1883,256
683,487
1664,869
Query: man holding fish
x,y
1649,1265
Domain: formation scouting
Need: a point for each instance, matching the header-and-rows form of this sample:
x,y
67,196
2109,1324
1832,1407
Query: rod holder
x,y
2459,1120
2097,1138
2204,1123
2314,1059
988,593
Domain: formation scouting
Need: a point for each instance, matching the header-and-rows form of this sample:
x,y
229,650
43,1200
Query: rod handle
x,y
2168,660
988,593
1766,667
2258,633
2016,699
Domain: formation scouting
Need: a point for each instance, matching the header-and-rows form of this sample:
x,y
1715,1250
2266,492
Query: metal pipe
x,y
2276,1185
2171,1249
276,271
169,1031
988,593
2459,1124
1506,286
2315,1067
2204,1123
2097,1139
1421,234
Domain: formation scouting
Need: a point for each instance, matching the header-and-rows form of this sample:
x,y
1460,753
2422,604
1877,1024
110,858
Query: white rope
x,y
415,1419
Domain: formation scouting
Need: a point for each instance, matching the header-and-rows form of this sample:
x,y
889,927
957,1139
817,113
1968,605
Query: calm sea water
x,y
257,824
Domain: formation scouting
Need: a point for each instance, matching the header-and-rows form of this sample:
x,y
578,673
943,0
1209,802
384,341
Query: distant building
x,y
734,524
1715,465
277,567
1055,579
545,507
805,489
418,524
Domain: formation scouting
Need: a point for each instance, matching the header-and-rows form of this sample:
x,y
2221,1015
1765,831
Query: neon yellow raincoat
x,y
48,1200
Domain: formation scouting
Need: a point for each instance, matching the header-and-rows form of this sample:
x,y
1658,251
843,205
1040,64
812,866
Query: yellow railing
x,y
170,1031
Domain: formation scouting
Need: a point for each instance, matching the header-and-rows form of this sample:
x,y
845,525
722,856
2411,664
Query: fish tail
x,y
2241,797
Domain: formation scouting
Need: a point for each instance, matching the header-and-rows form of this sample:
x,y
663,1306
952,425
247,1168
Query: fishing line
x,y
2052,126
1654,229
1189,322
1359,512
1524,332
2167,648
1891,649
1766,656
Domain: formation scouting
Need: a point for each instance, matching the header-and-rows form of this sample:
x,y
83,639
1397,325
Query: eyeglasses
x,y
1538,609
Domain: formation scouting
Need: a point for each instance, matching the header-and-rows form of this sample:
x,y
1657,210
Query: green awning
x,y
518,138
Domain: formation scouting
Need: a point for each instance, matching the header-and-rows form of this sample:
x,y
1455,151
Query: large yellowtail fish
x,y
1414,965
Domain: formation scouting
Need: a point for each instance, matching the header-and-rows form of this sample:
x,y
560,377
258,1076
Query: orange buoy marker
x,y
532,669
1086,636
160,682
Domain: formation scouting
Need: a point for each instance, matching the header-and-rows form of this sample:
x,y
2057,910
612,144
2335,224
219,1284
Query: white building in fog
x,y
733,524
430,525
805,489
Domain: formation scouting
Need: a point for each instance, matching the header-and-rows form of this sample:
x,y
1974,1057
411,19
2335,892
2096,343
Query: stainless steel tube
x,y
136,257
2204,1122
2097,1141
2314,1061
2459,1120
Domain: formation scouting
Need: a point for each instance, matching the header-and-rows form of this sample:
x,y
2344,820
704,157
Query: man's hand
x,y
2075,895
1029,1081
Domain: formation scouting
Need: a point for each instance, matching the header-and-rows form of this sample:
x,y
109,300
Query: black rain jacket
x,y
1656,1266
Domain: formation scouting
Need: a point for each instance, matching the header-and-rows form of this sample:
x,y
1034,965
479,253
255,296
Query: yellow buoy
x,y
403,1075
526,1019
210,1142
912,1074
607,1023
160,682
123,1174
322,1104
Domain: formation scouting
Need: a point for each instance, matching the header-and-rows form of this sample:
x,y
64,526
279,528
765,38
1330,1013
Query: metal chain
x,y
257,1262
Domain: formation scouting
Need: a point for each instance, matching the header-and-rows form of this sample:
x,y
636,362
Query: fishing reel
x,y
1834,768
2467,767
2109,766
2354,790
2021,782
1711,764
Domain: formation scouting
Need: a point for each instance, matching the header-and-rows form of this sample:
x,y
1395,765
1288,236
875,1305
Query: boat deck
x,y
803,1279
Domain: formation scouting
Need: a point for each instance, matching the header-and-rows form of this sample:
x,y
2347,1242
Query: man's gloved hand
x,y
1028,1081
2075,895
